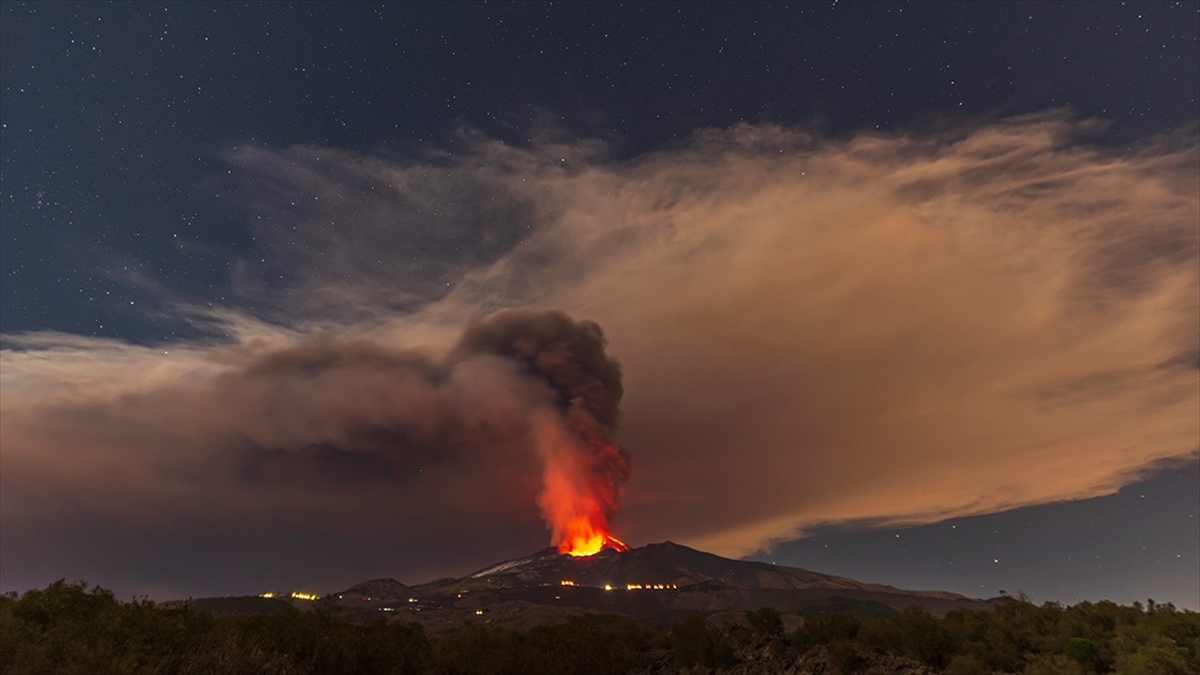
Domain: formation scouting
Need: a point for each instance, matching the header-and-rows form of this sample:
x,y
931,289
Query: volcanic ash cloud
x,y
584,465
296,434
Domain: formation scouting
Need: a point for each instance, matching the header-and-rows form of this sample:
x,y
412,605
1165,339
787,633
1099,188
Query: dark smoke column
x,y
576,436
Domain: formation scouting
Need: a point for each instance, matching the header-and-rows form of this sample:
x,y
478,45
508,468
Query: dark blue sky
x,y
1139,543
115,115
159,156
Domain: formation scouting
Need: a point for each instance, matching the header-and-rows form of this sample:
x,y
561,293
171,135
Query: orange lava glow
x,y
581,538
580,487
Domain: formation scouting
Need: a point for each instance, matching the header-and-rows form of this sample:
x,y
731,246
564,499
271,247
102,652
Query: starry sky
x,y
906,292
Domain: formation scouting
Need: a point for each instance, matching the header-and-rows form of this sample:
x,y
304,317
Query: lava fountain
x,y
580,487
575,432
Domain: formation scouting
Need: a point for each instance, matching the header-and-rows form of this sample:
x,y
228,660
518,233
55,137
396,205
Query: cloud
x,y
879,329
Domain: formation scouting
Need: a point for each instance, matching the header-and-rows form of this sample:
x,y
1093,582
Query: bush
x,y
1052,664
1085,653
844,658
69,628
964,664
1160,656
765,621
695,643
826,629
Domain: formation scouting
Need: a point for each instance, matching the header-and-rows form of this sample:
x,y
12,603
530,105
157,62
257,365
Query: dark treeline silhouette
x,y
68,628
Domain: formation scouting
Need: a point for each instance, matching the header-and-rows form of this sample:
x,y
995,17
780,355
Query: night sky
x,y
902,292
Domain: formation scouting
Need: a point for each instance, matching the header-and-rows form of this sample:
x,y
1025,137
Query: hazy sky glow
x,y
821,330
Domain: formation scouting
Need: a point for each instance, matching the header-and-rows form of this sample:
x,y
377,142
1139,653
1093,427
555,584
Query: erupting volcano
x,y
578,518
583,540
575,433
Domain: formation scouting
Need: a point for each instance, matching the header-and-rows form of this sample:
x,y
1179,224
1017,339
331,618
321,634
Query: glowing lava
x,y
581,538
581,481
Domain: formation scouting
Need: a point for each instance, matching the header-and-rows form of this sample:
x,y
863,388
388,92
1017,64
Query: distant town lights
x,y
628,587
294,594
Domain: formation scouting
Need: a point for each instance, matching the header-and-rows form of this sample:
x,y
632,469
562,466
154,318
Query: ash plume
x,y
584,465
569,356
348,434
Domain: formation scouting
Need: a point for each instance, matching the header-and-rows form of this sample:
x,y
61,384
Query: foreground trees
x,y
68,628
1020,637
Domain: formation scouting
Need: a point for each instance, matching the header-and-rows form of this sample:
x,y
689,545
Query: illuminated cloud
x,y
883,328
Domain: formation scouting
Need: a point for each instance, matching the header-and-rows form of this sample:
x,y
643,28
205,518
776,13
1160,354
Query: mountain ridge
x,y
655,582
659,563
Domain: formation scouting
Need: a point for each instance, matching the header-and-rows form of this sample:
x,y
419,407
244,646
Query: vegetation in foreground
x,y
68,628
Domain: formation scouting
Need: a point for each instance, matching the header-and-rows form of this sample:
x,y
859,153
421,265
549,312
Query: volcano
x,y
667,565
653,582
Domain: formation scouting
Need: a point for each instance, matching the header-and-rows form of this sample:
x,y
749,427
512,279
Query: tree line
x,y
68,628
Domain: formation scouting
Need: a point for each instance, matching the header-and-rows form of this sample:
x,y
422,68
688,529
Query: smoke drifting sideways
x,y
441,452
881,329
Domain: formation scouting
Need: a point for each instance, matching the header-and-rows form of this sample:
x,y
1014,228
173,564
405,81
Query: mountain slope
x,y
667,564
382,590
655,582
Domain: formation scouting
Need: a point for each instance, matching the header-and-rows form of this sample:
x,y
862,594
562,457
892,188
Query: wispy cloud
x,y
883,328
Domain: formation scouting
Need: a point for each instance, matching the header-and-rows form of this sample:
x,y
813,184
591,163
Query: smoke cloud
x,y
584,465
876,329
365,415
